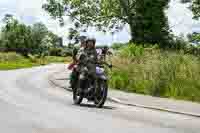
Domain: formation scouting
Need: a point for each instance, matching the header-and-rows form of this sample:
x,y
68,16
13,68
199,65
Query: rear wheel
x,y
77,93
101,94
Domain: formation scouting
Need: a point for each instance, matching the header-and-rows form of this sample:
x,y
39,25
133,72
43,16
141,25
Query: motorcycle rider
x,y
92,56
77,61
88,65
104,52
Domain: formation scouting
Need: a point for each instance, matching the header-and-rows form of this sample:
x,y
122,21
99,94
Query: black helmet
x,y
91,40
83,39
105,47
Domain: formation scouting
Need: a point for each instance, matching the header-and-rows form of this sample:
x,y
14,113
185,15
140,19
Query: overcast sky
x,y
30,11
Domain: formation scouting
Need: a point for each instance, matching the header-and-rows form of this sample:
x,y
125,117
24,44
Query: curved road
x,y
29,103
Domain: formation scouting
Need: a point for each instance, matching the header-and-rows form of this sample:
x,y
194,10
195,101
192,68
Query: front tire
x,y
77,94
101,94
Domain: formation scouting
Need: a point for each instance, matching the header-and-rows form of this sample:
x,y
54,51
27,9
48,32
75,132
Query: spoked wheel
x,y
101,94
77,93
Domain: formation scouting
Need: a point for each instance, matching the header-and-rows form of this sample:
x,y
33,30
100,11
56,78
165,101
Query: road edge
x,y
118,101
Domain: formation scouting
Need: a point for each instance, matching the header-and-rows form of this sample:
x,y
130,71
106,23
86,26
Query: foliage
x,y
18,37
194,38
55,51
117,46
191,49
75,36
195,7
178,43
131,51
158,73
146,18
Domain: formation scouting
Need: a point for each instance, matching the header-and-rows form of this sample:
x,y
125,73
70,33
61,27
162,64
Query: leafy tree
x,y
16,36
73,35
39,32
185,1
195,7
53,39
194,37
42,38
146,18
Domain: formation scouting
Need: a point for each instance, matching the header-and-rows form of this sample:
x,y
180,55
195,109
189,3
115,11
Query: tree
x,y
39,32
54,39
151,24
73,35
16,36
194,38
195,7
146,18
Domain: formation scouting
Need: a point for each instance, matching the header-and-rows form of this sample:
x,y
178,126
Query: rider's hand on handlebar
x,y
110,66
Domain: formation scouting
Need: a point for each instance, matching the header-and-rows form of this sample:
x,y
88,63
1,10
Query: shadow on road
x,y
93,106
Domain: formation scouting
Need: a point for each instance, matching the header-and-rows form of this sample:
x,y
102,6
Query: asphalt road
x,y
29,103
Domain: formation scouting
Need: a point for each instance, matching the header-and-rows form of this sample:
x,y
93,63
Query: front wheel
x,y
101,94
77,94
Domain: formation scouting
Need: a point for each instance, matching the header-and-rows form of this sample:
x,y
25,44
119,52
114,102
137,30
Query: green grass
x,y
14,65
55,59
9,61
158,73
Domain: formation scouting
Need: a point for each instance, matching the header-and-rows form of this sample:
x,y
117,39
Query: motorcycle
x,y
93,89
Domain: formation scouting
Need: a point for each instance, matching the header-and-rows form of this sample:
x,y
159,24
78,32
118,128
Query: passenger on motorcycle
x,y
77,55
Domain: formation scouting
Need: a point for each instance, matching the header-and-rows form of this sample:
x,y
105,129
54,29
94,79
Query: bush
x,y
55,52
67,52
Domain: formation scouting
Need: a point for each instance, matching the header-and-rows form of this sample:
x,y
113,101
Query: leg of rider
x,y
92,72
82,76
73,77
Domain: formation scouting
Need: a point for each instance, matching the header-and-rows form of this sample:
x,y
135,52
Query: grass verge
x,y
156,72
9,61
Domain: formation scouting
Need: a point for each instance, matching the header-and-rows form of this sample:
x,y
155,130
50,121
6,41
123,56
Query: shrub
x,y
67,52
55,52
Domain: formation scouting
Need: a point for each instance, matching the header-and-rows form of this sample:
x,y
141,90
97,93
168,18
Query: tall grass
x,y
155,72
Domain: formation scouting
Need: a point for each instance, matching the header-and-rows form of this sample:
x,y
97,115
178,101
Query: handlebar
x,y
104,63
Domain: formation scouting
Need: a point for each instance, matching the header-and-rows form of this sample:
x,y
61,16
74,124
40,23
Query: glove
x,y
110,66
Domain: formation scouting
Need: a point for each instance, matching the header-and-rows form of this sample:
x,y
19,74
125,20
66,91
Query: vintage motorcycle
x,y
93,89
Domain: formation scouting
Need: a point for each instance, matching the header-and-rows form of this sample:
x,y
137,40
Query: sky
x,y
30,11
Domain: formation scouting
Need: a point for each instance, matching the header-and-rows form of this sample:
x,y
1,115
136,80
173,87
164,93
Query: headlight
x,y
92,56
85,69
99,70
